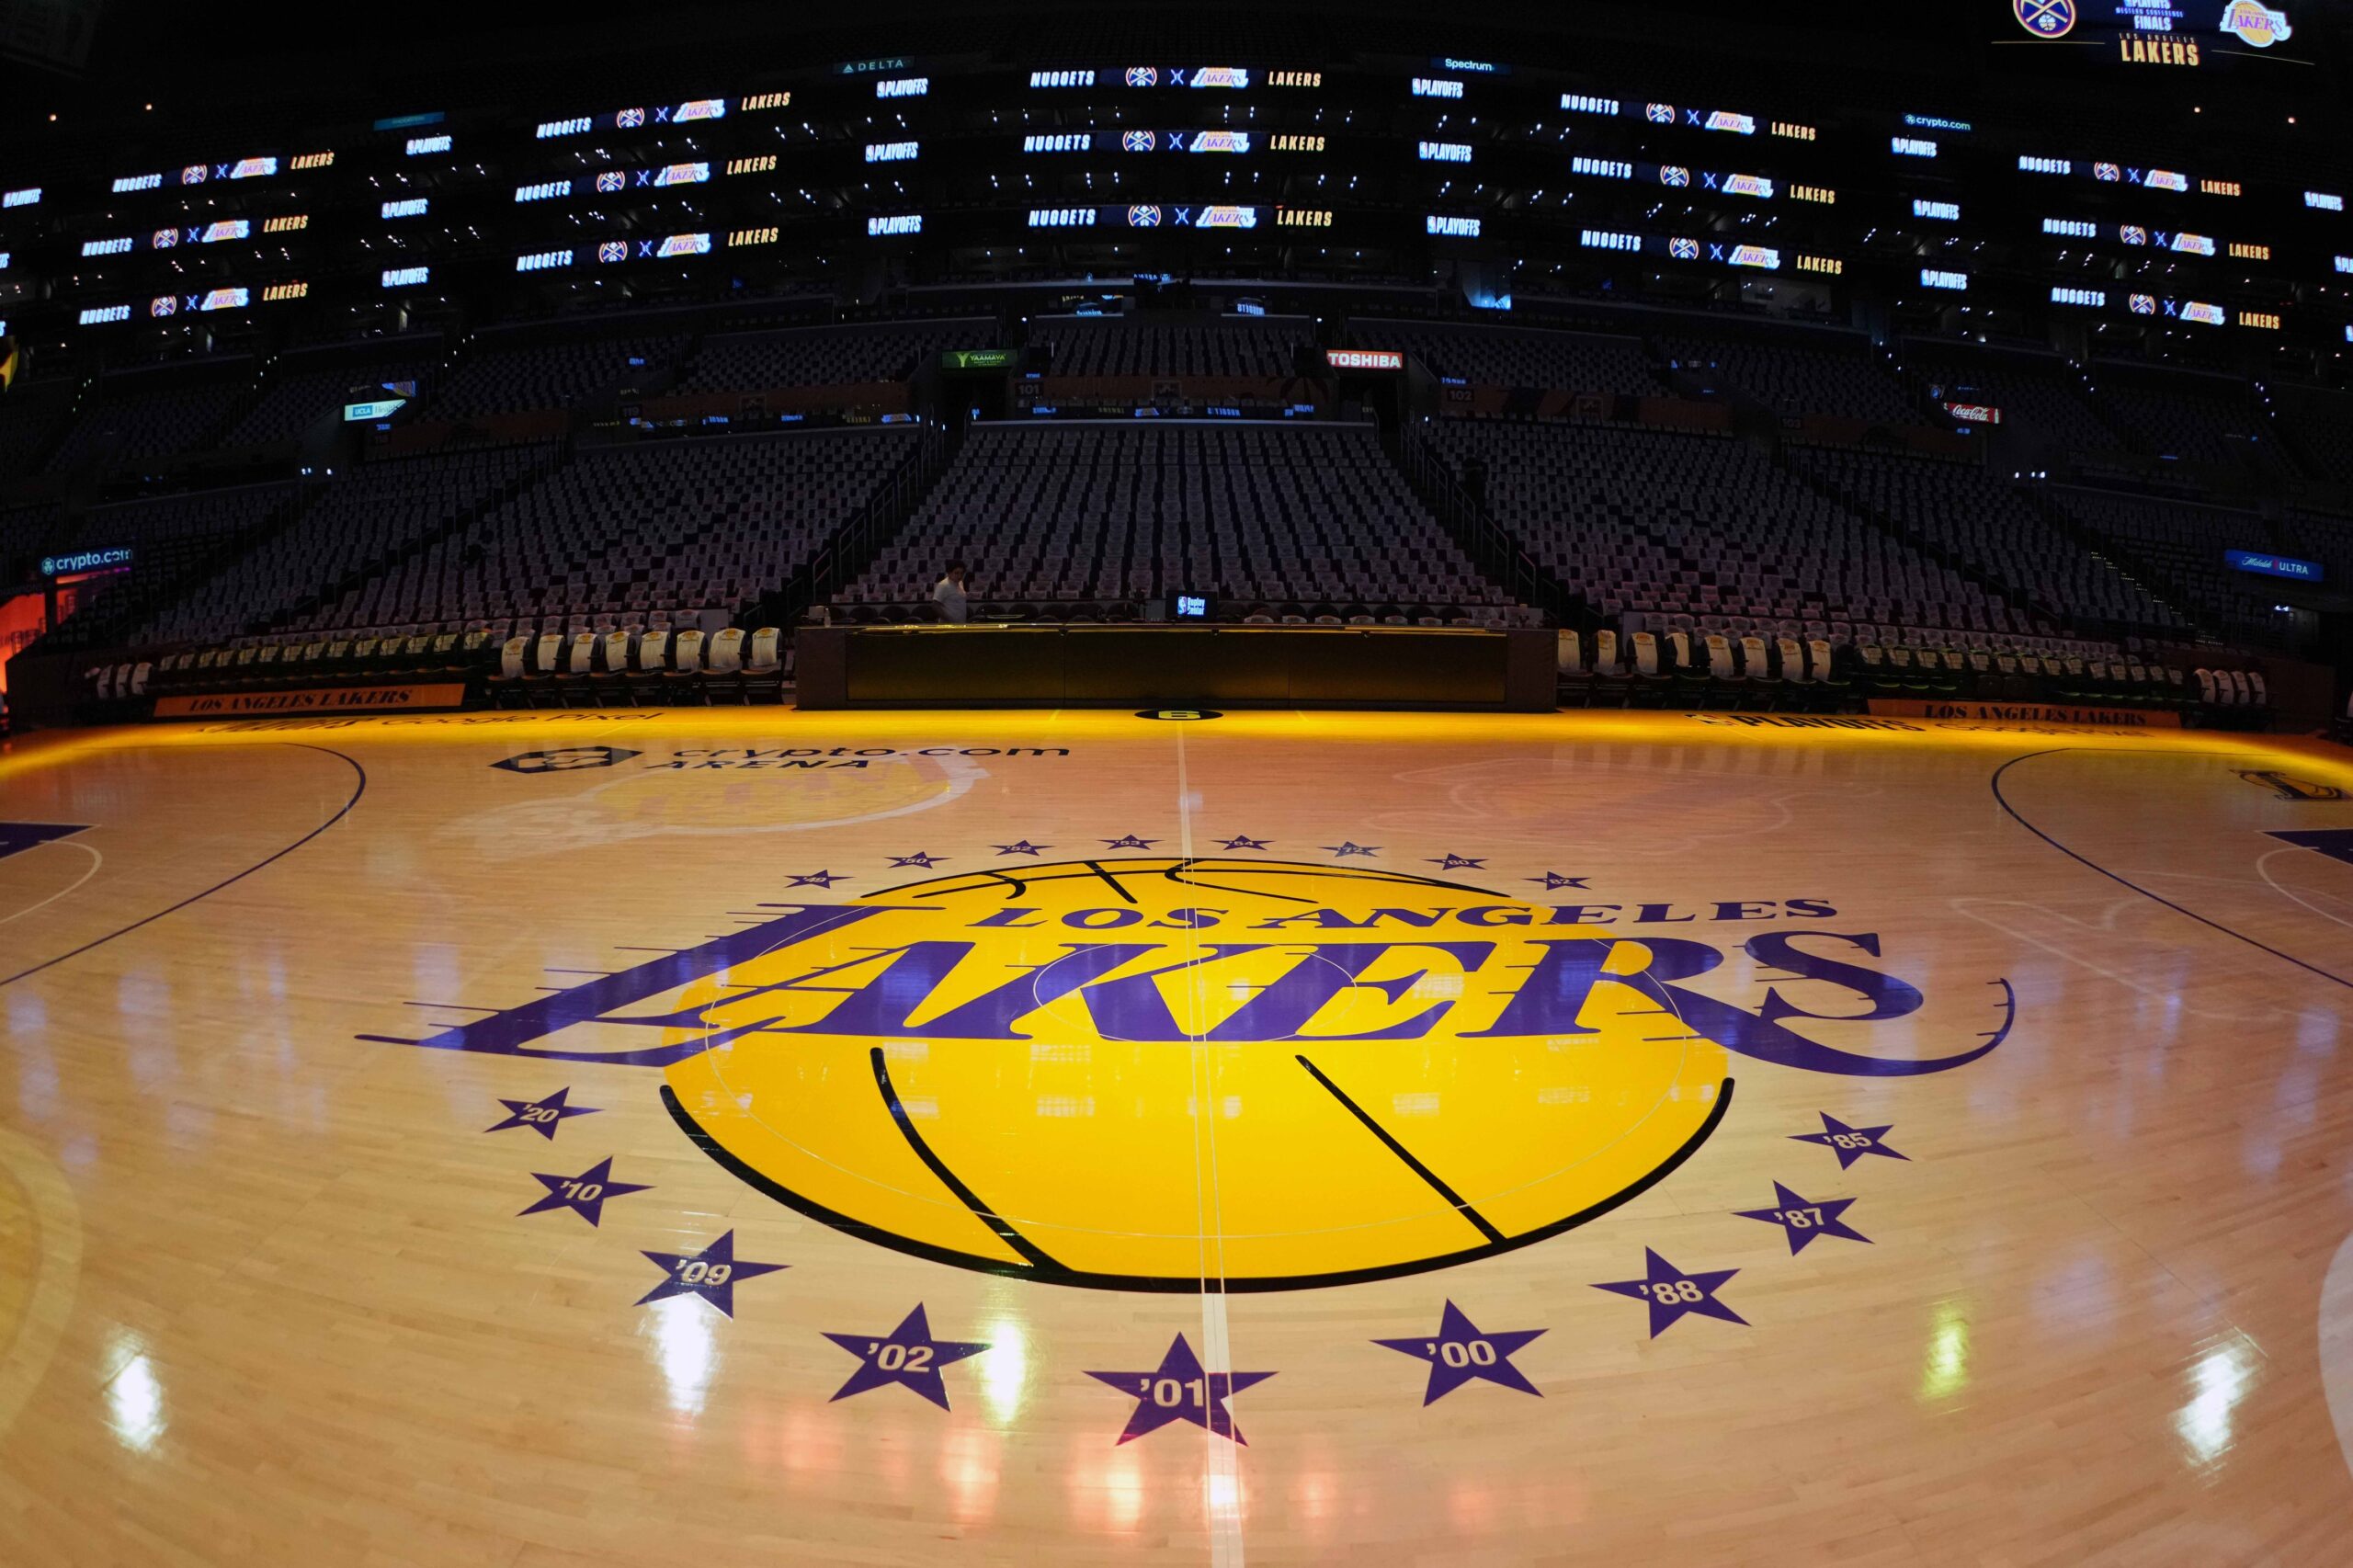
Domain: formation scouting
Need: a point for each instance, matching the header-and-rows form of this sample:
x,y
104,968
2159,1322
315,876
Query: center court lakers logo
x,y
1099,1073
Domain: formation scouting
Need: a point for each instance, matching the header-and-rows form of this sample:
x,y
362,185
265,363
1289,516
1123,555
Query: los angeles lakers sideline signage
x,y
2023,712
1389,1073
324,699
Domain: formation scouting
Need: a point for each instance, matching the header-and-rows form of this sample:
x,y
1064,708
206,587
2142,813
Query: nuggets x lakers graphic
x,y
1029,1069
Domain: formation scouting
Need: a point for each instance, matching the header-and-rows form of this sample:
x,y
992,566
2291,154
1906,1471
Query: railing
x,y
838,562
1490,546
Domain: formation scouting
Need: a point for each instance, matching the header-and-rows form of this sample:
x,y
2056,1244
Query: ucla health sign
x,y
2272,565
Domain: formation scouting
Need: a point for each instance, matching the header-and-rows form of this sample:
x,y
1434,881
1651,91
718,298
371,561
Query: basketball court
x,y
734,1136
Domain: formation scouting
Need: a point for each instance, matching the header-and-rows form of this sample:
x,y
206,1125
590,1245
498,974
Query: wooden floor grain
x,y
1419,1028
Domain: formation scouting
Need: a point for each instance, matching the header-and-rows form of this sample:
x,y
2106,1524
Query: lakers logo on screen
x,y
1129,1072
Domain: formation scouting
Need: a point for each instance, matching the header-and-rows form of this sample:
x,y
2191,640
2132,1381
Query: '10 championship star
x,y
586,1194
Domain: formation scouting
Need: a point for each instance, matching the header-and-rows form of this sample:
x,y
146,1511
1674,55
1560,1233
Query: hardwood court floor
x,y
756,1137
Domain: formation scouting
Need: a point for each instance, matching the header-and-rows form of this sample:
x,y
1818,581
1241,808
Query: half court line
x,y
1221,1473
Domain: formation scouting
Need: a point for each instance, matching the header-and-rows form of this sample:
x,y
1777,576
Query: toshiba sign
x,y
1364,359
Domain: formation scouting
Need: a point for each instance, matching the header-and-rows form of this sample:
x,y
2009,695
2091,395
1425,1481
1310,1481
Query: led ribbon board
x,y
2266,564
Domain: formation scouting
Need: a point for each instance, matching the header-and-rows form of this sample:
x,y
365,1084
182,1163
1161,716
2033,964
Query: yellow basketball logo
x,y
1133,1072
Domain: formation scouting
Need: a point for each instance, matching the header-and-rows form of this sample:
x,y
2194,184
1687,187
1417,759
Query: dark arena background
x,y
1176,784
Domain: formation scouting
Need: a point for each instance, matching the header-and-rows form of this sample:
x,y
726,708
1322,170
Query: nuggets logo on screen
x,y
2045,18
1030,1072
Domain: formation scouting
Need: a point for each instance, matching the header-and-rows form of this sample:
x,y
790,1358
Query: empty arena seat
x,y
1828,373
1517,355
1227,347
1300,515
829,356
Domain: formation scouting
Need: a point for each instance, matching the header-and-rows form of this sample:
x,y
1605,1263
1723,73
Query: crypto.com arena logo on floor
x,y
1075,1072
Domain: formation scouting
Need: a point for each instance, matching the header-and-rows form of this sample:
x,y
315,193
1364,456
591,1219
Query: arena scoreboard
x,y
1511,179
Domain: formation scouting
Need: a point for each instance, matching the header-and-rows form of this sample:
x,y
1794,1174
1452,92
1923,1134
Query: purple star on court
x,y
1241,841
711,1274
584,1193
1552,881
816,878
908,1355
926,859
1454,862
1022,846
1345,848
1178,1389
1805,1218
1671,1292
541,1116
1461,1353
1130,842
1851,1143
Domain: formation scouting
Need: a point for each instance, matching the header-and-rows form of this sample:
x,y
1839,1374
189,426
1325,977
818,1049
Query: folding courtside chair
x,y
764,667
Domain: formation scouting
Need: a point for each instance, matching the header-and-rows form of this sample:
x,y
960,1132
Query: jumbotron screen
x,y
958,166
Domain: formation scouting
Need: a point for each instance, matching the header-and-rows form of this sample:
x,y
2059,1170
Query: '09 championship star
x,y
711,1274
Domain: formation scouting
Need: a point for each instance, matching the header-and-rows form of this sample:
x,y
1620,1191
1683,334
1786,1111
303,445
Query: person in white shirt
x,y
949,595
